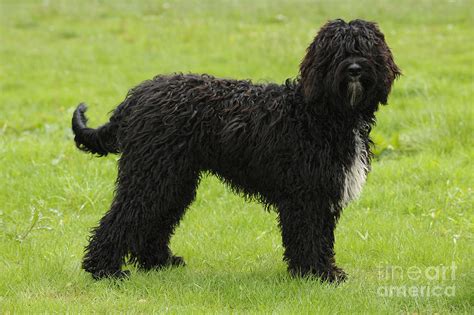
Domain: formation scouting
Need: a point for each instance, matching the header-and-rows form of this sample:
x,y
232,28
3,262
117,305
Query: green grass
x,y
415,211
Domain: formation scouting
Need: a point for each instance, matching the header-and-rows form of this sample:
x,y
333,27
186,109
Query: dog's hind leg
x,y
174,191
150,200
308,238
164,189
107,245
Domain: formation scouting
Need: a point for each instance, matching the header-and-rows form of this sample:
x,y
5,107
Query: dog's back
x,y
199,109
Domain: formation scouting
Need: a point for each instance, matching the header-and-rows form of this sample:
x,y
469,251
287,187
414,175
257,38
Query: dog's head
x,y
349,63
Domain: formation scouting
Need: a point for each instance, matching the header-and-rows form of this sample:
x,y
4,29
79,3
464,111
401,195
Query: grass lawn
x,y
411,230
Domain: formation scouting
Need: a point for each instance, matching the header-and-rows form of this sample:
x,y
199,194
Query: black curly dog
x,y
301,148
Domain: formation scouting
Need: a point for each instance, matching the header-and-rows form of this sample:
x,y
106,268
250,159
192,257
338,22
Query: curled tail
x,y
101,141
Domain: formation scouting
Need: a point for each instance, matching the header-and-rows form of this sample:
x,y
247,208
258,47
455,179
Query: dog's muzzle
x,y
353,80
355,88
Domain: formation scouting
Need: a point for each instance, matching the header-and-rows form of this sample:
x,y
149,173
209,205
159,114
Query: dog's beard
x,y
354,92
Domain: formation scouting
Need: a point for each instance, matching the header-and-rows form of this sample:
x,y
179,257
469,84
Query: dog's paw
x,y
177,261
172,261
333,275
118,274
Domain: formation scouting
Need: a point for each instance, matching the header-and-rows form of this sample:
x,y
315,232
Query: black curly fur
x,y
290,146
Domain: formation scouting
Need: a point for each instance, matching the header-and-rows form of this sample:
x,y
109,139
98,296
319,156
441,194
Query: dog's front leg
x,y
308,238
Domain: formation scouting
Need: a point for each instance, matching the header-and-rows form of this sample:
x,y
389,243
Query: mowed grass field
x,y
413,220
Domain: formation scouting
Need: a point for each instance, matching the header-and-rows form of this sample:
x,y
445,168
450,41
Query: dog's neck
x,y
334,114
349,119
338,109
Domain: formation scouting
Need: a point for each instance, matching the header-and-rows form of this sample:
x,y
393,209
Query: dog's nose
x,y
354,70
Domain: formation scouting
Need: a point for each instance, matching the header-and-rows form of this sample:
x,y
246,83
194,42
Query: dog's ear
x,y
309,77
317,61
391,71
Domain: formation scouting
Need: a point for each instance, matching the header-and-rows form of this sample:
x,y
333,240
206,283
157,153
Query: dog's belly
x,y
356,175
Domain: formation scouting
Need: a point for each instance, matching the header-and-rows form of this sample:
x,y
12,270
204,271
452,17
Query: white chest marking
x,y
356,174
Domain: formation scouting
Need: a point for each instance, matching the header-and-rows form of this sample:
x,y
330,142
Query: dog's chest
x,y
355,174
